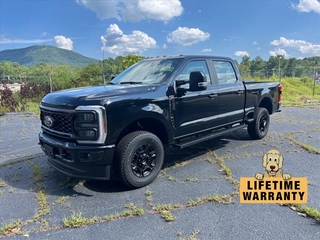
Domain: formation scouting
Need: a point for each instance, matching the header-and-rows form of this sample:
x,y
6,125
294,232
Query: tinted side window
x,y
225,72
191,67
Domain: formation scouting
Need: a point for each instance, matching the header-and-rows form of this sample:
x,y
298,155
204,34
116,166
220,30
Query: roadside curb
x,y
20,159
18,114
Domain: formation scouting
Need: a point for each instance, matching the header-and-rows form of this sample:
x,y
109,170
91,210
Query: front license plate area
x,y
49,149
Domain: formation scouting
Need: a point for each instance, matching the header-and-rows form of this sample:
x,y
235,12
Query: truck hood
x,y
94,94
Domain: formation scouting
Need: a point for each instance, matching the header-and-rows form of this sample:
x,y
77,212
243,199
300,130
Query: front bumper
x,y
81,161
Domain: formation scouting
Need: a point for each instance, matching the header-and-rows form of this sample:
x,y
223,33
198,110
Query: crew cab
x,y
125,125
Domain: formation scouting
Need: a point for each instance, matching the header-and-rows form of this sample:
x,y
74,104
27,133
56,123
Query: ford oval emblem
x,y
48,121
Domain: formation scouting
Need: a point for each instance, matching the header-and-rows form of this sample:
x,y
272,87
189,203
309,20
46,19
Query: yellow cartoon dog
x,y
272,161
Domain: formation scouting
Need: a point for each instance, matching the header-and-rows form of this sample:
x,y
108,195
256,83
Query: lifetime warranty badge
x,y
273,186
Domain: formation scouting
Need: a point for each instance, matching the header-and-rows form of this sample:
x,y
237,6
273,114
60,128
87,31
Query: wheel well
x,y
267,104
147,124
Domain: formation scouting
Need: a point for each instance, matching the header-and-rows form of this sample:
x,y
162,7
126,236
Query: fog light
x,y
88,125
87,133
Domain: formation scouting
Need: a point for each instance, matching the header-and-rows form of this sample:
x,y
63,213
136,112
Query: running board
x,y
208,137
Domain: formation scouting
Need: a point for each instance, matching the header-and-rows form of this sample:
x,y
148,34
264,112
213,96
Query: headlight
x,y
86,125
90,124
87,117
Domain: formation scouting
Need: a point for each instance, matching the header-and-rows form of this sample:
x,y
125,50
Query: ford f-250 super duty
x,y
171,101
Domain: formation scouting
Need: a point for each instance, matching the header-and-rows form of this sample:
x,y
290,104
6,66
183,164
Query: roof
x,y
190,57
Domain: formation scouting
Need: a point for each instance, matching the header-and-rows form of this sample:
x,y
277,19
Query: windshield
x,y
147,72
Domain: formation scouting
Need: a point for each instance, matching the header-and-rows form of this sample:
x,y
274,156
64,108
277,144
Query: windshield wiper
x,y
131,82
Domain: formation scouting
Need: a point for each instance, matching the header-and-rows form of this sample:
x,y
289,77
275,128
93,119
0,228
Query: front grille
x,y
62,122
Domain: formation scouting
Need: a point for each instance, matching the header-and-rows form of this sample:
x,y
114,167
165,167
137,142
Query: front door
x,y
195,111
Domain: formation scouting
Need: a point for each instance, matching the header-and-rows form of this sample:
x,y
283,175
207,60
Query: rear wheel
x,y
139,159
258,129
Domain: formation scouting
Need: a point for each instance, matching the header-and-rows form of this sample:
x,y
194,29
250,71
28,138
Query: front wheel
x,y
139,158
258,129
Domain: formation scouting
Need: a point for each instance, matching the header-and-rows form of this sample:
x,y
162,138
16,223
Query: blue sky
x,y
164,27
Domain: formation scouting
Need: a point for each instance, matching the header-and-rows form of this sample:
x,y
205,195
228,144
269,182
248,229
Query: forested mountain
x,y
49,55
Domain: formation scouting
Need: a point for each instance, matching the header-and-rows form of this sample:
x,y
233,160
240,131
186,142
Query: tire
x,y
138,159
259,128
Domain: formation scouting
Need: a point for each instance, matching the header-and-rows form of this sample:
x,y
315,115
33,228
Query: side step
x,y
208,137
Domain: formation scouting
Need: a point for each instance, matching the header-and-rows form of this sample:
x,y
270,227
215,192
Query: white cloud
x,y
164,46
241,53
254,43
278,51
187,36
116,42
44,34
307,6
301,45
207,50
135,10
5,40
230,39
63,42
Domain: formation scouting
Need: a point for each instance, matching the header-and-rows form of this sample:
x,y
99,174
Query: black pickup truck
x,y
172,101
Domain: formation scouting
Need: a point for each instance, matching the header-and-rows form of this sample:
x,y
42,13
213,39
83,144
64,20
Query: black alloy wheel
x,y
138,159
259,128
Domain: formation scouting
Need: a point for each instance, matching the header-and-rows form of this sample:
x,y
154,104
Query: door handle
x,y
212,95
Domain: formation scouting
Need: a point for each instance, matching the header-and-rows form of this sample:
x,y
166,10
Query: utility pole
x,y
279,69
103,77
50,82
314,82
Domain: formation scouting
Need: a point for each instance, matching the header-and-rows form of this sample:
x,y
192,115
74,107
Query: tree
x,y
258,67
39,73
90,75
11,72
244,67
129,60
63,77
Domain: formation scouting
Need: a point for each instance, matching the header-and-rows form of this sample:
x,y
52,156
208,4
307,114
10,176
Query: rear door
x,y
231,92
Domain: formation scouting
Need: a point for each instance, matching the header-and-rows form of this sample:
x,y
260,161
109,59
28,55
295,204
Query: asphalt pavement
x,y
193,198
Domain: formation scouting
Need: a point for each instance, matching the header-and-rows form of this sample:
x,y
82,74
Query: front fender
x,y
118,119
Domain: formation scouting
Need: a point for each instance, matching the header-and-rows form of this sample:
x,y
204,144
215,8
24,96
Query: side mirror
x,y
197,81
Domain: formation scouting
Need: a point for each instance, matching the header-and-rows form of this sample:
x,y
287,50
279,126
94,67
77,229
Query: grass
x,y
306,210
191,237
192,179
148,193
298,91
11,228
36,172
220,161
222,199
131,211
76,221
62,199
167,216
3,184
305,146
43,206
32,107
